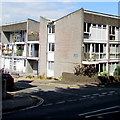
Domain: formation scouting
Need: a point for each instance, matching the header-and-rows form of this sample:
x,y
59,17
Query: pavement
x,y
15,101
22,100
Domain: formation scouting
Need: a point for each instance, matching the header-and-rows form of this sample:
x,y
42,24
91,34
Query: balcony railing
x,y
94,56
33,37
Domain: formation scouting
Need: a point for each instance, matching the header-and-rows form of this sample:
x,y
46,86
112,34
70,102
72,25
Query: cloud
x,y
15,12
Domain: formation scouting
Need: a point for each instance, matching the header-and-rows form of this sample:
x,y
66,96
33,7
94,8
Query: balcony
x,y
94,56
7,52
17,37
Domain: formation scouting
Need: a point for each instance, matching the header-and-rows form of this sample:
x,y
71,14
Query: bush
x,y
103,74
117,71
85,70
42,76
30,77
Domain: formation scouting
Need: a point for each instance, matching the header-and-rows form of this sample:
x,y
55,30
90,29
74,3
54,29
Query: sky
x,y
12,11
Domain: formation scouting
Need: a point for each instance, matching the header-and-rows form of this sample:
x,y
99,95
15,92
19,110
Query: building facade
x,y
20,47
79,38
82,37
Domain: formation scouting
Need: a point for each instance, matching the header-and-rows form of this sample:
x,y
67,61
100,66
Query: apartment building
x,y
82,37
19,44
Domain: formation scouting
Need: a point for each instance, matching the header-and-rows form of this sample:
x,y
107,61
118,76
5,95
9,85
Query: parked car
x,y
9,80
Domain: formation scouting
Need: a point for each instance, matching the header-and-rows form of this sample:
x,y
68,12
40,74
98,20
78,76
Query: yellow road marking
x,y
64,86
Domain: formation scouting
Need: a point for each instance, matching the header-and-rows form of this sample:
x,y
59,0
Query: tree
x,y
117,71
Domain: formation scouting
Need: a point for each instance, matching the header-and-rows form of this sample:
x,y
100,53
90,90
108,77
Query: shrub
x,y
103,73
49,78
30,77
42,76
85,70
117,71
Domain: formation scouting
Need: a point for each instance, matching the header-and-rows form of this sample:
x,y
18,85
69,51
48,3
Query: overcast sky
x,y
12,11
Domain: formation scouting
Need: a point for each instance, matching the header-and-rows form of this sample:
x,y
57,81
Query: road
x,y
87,102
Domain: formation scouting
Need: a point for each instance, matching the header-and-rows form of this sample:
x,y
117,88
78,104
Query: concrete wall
x,y
33,26
43,46
28,67
71,77
68,42
15,27
98,19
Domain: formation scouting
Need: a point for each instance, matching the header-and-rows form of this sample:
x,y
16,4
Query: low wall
x,y
70,77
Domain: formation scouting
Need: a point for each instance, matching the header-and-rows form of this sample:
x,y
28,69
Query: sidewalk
x,y
19,101
57,83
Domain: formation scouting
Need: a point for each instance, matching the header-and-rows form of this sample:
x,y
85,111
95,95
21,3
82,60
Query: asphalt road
x,y
87,103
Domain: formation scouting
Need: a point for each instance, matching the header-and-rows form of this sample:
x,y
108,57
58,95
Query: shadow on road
x,y
23,84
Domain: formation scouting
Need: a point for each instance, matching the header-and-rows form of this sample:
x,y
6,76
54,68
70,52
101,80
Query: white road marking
x,y
101,114
101,95
95,94
92,97
110,94
84,96
104,93
72,100
111,91
48,104
68,93
60,102
98,110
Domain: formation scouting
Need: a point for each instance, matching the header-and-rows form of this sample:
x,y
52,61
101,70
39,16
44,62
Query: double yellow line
x,y
63,86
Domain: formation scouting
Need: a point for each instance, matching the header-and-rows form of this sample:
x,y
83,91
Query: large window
x,y
51,65
114,51
51,47
95,51
87,27
112,32
51,28
87,30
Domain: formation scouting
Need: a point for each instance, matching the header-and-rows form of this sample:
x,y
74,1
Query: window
x,y
112,30
94,25
101,48
104,26
117,28
84,27
51,65
99,26
51,28
87,47
87,27
51,47
86,35
97,47
112,37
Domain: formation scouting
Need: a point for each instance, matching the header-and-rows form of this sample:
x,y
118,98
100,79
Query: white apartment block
x,y
19,44
82,37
